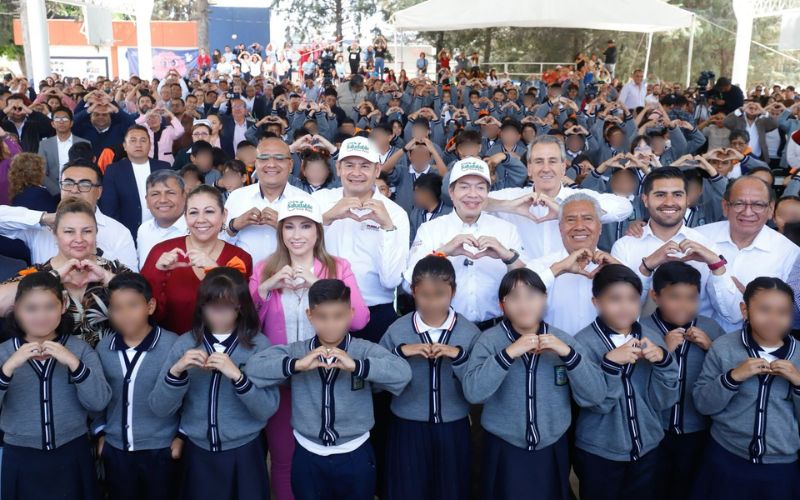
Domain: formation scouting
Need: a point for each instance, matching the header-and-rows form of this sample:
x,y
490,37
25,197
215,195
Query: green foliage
x,y
314,18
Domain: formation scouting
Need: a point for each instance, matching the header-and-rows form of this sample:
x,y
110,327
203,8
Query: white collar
x,y
423,327
411,170
649,232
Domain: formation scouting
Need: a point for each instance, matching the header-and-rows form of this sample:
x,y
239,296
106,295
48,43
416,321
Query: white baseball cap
x,y
470,166
304,206
358,146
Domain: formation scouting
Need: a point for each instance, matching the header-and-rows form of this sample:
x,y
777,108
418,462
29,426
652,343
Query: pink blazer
x,y
270,311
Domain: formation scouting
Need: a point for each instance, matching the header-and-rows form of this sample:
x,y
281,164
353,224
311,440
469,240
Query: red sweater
x,y
176,290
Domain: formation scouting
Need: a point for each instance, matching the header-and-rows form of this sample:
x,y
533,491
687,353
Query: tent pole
x,y
647,57
691,51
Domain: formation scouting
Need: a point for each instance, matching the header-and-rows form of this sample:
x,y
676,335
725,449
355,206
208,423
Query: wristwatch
x,y
512,259
719,264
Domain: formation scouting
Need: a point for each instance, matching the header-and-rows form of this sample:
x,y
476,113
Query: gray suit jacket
x,y
48,149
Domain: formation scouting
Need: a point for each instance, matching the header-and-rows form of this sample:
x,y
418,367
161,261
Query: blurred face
x,y
666,202
770,316
694,194
61,122
137,145
76,236
423,198
763,175
82,183
579,226
524,306
358,175
273,171
546,167
246,155
469,195
38,313
468,149
619,305
299,234
749,207
787,212
383,188
330,320
190,181
622,184
232,180
204,217
509,136
220,316
678,303
166,201
316,172
432,297
129,310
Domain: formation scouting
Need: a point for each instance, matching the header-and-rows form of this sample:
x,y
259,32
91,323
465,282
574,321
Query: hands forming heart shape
x,y
578,261
79,273
535,202
360,214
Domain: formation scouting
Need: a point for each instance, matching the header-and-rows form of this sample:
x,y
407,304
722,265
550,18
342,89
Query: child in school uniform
x,y
332,376
428,449
750,387
525,373
49,382
676,291
222,412
616,441
136,445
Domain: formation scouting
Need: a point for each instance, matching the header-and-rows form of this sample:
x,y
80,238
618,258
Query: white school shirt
x,y
770,254
326,451
630,250
434,332
569,296
141,171
478,280
377,257
258,241
151,234
545,238
112,237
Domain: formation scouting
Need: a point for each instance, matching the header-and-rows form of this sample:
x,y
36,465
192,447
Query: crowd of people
x,y
464,287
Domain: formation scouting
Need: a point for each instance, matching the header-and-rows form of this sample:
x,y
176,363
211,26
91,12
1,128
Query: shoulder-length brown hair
x,y
227,286
27,169
281,257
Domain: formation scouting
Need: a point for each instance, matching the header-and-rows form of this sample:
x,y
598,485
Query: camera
x,y
232,95
704,79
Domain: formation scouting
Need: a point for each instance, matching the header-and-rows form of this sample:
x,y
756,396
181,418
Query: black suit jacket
x,y
120,199
37,127
226,134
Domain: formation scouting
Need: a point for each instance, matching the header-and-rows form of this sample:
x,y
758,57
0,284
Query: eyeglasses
x,y
276,157
758,207
59,119
200,134
84,186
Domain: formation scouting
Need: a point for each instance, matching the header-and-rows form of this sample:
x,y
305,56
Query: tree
x,y
201,15
313,17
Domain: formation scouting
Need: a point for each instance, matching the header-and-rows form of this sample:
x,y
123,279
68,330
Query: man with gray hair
x,y
567,273
534,210
166,199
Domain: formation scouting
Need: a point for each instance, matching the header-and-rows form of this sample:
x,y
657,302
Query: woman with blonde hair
x,y
279,287
25,184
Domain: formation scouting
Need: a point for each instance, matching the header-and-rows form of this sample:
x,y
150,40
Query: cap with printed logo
x,y
305,206
360,147
470,166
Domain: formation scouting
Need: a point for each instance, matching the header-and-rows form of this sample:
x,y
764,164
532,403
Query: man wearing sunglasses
x,y
28,125
55,150
253,210
80,179
751,248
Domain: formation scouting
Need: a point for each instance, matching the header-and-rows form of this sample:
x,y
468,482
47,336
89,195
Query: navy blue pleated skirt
x,y
237,474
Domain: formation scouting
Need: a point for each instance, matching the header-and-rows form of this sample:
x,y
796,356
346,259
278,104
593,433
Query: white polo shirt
x,y
151,234
259,241
478,280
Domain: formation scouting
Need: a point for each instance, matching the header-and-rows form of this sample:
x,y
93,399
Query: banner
x,y
164,60
82,67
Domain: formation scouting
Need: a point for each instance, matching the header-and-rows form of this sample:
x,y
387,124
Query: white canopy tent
x,y
641,16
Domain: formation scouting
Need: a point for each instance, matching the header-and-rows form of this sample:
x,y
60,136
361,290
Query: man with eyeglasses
x,y
81,179
253,210
751,248
55,150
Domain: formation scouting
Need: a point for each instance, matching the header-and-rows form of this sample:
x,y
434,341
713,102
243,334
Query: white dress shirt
x,y
377,257
151,234
754,143
141,171
545,238
239,133
434,332
63,152
630,250
569,296
478,280
112,237
632,95
259,241
770,254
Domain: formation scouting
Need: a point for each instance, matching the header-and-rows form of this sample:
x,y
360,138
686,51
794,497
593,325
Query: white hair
x,y
579,196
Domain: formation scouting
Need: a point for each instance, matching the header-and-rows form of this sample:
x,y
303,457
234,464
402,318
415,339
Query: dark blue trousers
x,y
725,475
603,479
681,456
133,475
426,461
380,317
237,474
512,473
346,476
66,473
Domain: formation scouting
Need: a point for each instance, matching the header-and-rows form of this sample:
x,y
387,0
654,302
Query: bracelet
x,y
722,262
644,264
512,259
232,229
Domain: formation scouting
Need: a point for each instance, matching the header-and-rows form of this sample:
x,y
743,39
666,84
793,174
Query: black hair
x,y
191,168
130,281
522,276
785,198
209,190
244,144
675,273
140,128
792,231
347,121
661,174
200,147
422,122
84,163
436,268
694,175
81,151
430,182
219,156
612,274
763,283
237,166
761,168
226,285
383,128
328,290
63,109
468,136
42,281
739,134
